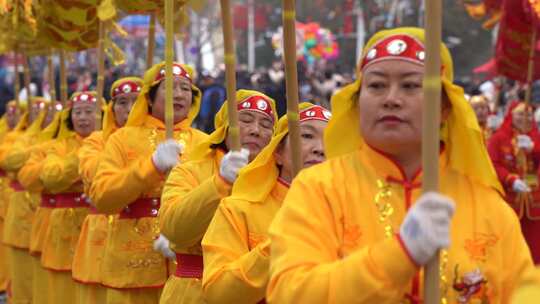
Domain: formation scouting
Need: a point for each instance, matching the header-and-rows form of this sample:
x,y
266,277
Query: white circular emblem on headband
x,y
246,105
310,113
421,55
371,54
396,47
84,97
262,105
126,88
327,114
177,70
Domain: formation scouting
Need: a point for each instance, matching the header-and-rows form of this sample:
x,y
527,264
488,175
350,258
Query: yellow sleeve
x,y
60,168
528,291
232,272
188,205
17,155
29,174
89,154
517,261
306,265
119,182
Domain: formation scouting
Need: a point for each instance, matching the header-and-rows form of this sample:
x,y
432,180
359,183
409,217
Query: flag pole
x,y
230,74
431,125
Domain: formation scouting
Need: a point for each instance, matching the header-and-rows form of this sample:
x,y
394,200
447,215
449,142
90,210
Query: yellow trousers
x,y
4,271
40,284
62,288
21,275
182,291
133,296
91,294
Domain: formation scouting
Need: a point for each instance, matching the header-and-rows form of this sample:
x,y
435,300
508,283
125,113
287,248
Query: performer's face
x,y
311,147
523,120
390,105
121,107
13,116
83,116
52,109
182,99
482,111
256,130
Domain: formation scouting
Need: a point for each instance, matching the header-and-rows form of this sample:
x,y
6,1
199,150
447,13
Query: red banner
x,y
514,41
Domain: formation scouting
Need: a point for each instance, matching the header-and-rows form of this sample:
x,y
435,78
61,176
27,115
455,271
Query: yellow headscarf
x,y
139,111
221,124
109,120
35,126
461,134
256,180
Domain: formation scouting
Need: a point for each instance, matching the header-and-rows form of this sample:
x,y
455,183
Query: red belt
x,y
93,210
68,200
47,200
143,207
15,185
3,173
189,266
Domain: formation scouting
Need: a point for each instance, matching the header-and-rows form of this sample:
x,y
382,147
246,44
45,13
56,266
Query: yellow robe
x,y
5,192
329,246
91,245
60,175
126,173
236,249
190,198
19,216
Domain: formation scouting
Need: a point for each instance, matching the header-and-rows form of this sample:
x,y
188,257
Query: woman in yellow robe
x,y
356,228
7,123
194,189
236,245
19,216
129,181
60,177
91,245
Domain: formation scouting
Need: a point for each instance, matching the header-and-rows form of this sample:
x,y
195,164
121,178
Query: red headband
x,y
315,113
256,103
402,47
83,97
126,87
177,70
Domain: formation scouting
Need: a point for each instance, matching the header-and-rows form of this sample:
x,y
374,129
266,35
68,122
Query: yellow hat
x,y
121,86
478,99
462,135
221,124
256,180
152,77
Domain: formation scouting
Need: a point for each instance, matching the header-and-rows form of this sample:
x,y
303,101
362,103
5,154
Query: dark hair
x,y
522,94
221,146
69,122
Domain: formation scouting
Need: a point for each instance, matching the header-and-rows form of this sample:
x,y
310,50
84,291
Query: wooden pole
x,y
101,72
230,74
431,125
27,79
530,66
151,41
63,79
16,79
291,79
52,80
169,47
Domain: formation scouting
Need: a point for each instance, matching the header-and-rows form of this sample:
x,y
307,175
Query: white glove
x,y
426,227
232,162
167,155
525,142
520,186
161,244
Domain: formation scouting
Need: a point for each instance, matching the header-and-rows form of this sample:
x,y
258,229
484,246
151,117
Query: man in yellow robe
x,y
90,248
60,177
356,228
194,189
19,216
7,123
129,180
236,245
